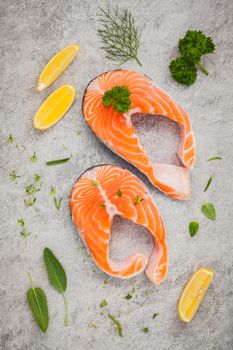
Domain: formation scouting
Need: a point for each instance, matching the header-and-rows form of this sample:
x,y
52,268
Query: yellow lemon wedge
x,y
193,293
56,66
54,107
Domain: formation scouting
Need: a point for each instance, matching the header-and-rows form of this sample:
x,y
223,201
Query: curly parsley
x,y
118,97
192,47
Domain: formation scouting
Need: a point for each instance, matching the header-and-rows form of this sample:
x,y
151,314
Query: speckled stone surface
x,y
31,32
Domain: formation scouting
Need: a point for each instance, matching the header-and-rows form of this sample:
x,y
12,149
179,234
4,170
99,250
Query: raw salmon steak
x,y
105,191
117,132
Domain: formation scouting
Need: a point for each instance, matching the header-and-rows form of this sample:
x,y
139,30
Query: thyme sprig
x,y
119,35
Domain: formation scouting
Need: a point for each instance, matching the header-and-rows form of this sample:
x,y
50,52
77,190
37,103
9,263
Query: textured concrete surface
x,y
32,31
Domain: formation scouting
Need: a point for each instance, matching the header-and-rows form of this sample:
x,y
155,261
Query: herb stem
x,y
31,280
138,61
203,68
66,321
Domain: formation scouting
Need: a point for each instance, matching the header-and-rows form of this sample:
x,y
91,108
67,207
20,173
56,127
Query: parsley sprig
x,y
192,47
118,97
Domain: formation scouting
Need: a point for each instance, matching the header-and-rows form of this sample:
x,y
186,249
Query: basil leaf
x,y
208,183
208,210
117,323
214,158
193,228
57,276
38,304
57,161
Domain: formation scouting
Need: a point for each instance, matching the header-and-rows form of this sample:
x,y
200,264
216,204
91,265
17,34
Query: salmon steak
x,y
116,131
103,192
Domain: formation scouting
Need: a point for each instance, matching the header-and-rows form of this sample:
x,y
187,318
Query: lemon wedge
x,y
56,66
54,107
193,293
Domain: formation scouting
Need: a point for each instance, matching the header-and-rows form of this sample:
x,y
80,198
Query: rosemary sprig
x,y
119,35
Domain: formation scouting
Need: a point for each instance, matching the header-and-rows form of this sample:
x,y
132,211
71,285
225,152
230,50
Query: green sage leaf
x,y
38,304
208,210
57,277
193,228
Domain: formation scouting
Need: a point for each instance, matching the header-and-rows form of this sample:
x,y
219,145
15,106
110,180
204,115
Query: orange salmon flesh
x,y
117,132
105,191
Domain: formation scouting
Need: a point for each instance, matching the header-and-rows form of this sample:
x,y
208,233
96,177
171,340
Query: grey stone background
x,y
31,32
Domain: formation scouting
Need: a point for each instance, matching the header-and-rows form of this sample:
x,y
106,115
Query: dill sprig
x,y
119,35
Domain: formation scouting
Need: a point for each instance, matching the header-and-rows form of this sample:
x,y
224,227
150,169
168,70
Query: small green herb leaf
x,y
119,193
57,276
128,296
145,330
25,234
36,177
193,228
57,203
208,184
102,205
136,199
38,304
118,97
33,158
10,139
208,210
52,191
103,303
29,202
95,183
92,325
13,177
117,323
214,158
78,132
21,221
31,189
57,161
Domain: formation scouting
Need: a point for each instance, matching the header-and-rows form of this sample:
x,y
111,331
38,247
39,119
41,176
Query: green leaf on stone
x,y
193,228
209,211
38,304
57,277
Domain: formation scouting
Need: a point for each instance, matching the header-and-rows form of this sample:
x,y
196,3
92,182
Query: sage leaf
x,y
57,277
193,228
208,183
38,304
208,210
57,161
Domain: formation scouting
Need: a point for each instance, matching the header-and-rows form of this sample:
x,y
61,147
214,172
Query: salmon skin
x,y
105,191
117,132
